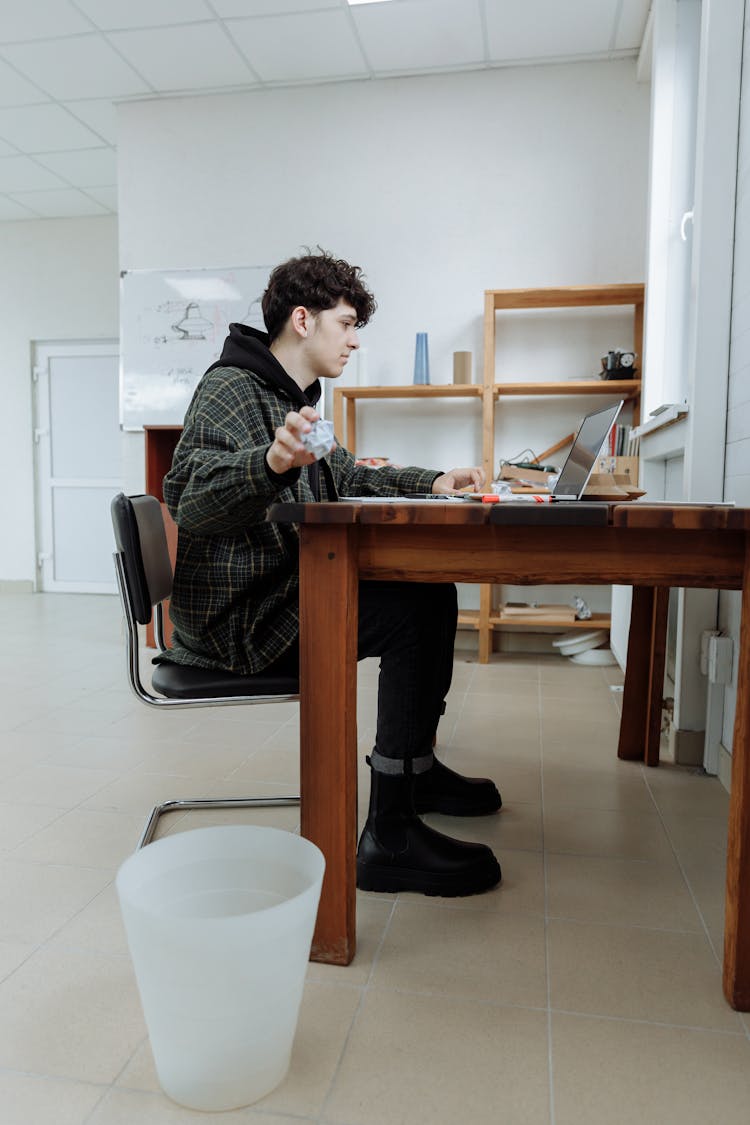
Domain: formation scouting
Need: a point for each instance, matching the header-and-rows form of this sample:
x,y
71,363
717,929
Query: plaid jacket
x,y
235,598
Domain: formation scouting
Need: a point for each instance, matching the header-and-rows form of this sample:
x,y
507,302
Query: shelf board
x,y
568,296
469,618
415,390
627,387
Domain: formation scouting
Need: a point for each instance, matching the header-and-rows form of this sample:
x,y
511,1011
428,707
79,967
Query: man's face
x,y
331,340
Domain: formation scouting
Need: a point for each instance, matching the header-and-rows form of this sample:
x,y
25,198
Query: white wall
x,y
438,186
58,281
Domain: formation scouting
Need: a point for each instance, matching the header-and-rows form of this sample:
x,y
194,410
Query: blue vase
x,y
421,360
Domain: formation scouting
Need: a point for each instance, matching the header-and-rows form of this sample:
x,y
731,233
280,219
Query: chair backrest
x,y
142,542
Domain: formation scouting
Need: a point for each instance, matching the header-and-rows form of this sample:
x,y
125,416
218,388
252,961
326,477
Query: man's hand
x,y
460,478
287,451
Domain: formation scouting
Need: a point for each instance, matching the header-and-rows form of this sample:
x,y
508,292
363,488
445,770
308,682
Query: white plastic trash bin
x,y
219,923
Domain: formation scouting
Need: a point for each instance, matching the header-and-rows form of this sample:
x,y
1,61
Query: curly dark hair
x,y
316,281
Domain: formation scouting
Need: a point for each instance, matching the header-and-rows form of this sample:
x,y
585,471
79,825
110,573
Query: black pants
x,y
411,626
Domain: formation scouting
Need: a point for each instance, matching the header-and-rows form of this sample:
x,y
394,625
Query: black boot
x,y
398,852
442,790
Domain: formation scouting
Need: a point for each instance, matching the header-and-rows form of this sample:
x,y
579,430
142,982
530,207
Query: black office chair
x,y
144,579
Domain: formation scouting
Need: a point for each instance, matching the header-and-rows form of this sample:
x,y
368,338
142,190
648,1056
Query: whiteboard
x,y
173,324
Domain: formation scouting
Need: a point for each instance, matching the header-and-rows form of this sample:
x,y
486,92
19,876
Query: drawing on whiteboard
x,y
193,326
174,323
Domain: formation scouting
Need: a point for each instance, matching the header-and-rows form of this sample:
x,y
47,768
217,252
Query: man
x,y
235,598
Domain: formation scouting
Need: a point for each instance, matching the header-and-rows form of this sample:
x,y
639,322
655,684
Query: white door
x,y
78,464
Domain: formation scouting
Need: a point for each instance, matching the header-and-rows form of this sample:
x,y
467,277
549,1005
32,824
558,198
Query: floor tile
x,y
655,975
620,892
441,1060
373,915
84,838
618,1072
61,787
102,1022
18,822
36,899
502,954
566,785
29,1099
124,1107
617,833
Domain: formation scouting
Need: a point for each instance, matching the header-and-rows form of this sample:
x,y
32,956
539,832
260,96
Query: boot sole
x,y
377,877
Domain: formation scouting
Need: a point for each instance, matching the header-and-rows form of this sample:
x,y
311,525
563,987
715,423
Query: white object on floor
x,y
600,656
576,641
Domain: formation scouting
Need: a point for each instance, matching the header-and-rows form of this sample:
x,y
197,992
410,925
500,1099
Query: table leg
x,y
328,727
737,922
644,676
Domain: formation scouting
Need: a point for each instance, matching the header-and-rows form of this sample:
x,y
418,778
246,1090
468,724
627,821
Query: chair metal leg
x,y
209,803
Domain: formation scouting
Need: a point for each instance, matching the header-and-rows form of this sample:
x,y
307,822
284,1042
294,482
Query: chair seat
x,y
181,681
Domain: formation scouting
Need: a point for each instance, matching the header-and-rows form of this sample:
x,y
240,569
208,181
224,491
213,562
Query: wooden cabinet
x,y
491,395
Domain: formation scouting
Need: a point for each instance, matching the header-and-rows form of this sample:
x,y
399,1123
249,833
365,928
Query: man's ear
x,y
301,320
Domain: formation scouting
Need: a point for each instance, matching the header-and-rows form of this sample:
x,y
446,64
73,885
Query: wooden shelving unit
x,y
345,402
573,296
490,393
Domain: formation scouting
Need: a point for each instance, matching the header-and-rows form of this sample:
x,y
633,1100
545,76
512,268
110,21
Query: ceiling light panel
x,y
93,167
83,67
10,211
21,173
296,48
15,90
107,196
64,204
42,19
537,29
116,14
414,35
100,114
44,128
183,58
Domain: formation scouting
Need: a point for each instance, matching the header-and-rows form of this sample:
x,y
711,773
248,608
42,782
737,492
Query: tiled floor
x,y
585,990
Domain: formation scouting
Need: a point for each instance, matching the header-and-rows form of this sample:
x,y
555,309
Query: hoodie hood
x,y
248,348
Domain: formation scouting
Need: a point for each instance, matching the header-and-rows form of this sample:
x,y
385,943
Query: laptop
x,y
591,436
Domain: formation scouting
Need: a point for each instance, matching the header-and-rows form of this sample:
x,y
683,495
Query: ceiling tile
x,y
225,8
92,167
538,29
99,114
10,210
44,128
183,58
64,204
83,67
21,173
7,150
294,48
632,25
41,20
15,90
416,34
110,14
107,196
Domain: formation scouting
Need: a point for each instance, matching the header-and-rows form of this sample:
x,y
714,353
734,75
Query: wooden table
x,y
651,547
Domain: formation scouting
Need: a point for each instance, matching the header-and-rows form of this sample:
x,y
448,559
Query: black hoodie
x,y
248,348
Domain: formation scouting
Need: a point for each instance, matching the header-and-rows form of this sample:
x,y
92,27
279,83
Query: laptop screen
x,y
590,438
